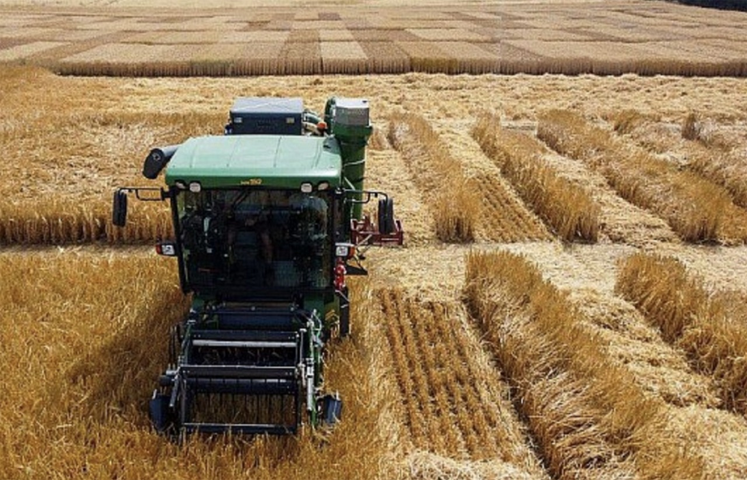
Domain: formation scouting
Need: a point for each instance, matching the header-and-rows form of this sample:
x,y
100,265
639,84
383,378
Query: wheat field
x,y
508,349
569,303
257,37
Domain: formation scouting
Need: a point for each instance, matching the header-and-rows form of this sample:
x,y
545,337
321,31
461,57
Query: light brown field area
x,y
220,38
517,351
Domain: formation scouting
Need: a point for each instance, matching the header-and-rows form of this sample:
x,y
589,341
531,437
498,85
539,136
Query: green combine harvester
x,y
268,221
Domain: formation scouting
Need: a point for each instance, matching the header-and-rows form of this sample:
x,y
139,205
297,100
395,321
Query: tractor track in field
x,y
454,404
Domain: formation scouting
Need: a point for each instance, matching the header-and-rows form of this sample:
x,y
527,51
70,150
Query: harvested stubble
x,y
703,325
698,210
456,208
90,334
452,399
566,207
589,417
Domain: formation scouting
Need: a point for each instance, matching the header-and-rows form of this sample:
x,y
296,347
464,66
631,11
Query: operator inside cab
x,y
246,237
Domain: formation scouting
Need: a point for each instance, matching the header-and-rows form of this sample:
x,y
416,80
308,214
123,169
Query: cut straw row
x,y
455,206
589,417
566,207
698,210
701,324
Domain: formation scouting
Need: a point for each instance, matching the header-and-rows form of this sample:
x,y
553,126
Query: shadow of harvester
x,y
116,379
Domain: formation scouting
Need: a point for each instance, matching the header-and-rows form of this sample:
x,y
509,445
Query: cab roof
x,y
276,161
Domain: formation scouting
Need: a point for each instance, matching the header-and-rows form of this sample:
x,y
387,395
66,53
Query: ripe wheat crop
x,y
698,210
703,325
588,415
567,208
90,337
456,208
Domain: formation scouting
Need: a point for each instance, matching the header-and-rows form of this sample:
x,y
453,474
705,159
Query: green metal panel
x,y
275,161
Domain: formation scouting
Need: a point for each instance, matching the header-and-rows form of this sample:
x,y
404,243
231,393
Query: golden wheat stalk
x,y
586,411
696,209
702,324
456,208
566,207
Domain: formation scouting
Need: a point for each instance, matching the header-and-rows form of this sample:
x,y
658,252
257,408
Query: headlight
x,y
195,187
323,186
307,187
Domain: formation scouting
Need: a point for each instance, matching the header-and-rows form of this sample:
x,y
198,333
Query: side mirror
x,y
119,208
386,216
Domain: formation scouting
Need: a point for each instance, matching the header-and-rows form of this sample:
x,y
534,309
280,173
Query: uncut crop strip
x,y
712,160
62,221
566,207
455,206
589,417
703,325
91,333
696,209
447,407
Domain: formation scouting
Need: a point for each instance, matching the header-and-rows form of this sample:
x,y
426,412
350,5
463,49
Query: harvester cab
x,y
268,221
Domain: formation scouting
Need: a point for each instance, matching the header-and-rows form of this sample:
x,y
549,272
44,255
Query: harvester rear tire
x,y
386,216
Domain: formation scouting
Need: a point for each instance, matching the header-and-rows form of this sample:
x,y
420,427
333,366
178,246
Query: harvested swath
x,y
318,25
450,394
456,208
696,209
703,325
196,38
343,57
91,332
587,414
566,207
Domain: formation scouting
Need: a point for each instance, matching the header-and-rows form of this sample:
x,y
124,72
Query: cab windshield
x,y
255,238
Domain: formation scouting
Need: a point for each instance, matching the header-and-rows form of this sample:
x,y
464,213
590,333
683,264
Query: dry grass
x,y
566,207
90,333
586,412
703,325
456,208
698,210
